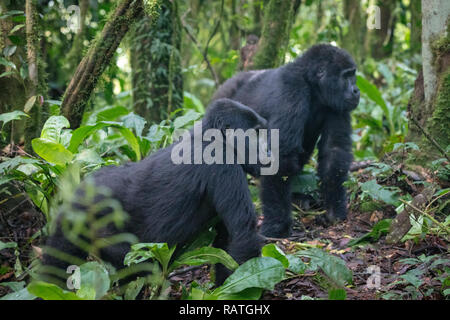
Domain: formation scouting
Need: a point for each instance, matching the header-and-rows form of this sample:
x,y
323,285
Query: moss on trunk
x,y
97,59
156,64
278,16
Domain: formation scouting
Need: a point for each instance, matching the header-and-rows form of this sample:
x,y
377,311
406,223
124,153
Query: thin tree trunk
x,y
429,108
415,42
156,64
97,59
278,17
353,40
382,39
36,86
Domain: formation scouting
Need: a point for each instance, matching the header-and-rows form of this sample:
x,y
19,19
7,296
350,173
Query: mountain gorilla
x,y
310,97
172,203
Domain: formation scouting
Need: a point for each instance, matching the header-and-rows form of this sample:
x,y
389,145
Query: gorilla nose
x,y
356,91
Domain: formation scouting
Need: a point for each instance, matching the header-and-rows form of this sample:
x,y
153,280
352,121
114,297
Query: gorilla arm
x,y
228,191
335,157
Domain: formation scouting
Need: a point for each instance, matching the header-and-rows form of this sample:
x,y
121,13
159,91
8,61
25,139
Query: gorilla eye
x,y
349,73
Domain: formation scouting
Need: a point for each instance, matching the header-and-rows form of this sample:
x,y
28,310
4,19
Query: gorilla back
x,y
172,203
309,98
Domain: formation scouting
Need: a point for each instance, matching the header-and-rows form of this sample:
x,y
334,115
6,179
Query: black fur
x,y
309,98
173,203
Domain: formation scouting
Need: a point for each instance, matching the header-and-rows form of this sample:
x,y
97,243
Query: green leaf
x,y
48,291
186,119
6,74
7,245
10,116
271,250
94,282
135,122
53,127
379,229
247,294
51,151
372,93
337,294
133,289
80,134
296,264
9,51
412,276
16,28
332,266
205,255
111,114
261,272
12,163
190,101
7,63
143,251
377,192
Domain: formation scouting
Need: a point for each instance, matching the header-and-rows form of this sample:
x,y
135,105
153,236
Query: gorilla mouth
x,y
351,104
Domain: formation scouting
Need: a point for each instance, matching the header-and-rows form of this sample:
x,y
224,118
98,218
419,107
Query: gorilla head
x,y
228,114
331,71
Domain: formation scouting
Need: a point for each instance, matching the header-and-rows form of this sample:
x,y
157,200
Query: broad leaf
x,y
51,151
48,291
205,255
261,272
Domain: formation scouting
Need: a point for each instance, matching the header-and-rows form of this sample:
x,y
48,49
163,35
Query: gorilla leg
x,y
276,200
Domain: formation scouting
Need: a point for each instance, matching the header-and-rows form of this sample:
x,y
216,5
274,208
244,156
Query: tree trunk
x,y
353,40
156,64
415,40
36,85
278,17
12,92
430,104
97,59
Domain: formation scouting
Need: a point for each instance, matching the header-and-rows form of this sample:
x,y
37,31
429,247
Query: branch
x,y
430,138
203,52
97,59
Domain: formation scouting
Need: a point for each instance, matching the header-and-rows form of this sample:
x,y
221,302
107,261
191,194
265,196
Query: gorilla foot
x,y
276,230
329,219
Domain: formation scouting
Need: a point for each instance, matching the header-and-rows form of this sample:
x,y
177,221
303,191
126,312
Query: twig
x,y
443,227
184,270
213,33
360,165
430,138
203,52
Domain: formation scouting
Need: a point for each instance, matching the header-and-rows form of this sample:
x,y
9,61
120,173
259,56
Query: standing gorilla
x,y
310,97
168,202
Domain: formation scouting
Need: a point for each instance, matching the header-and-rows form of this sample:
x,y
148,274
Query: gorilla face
x,y
332,76
338,89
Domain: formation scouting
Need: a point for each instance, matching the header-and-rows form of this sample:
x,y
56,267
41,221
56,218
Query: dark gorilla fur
x,y
310,97
173,203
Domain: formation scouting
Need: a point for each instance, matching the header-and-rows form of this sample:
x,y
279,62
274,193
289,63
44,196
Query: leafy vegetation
x,y
390,184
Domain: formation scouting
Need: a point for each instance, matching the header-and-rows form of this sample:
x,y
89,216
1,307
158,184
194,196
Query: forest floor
x,y
335,240
413,269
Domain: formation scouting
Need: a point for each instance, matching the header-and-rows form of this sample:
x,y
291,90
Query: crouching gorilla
x,y
310,97
172,203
